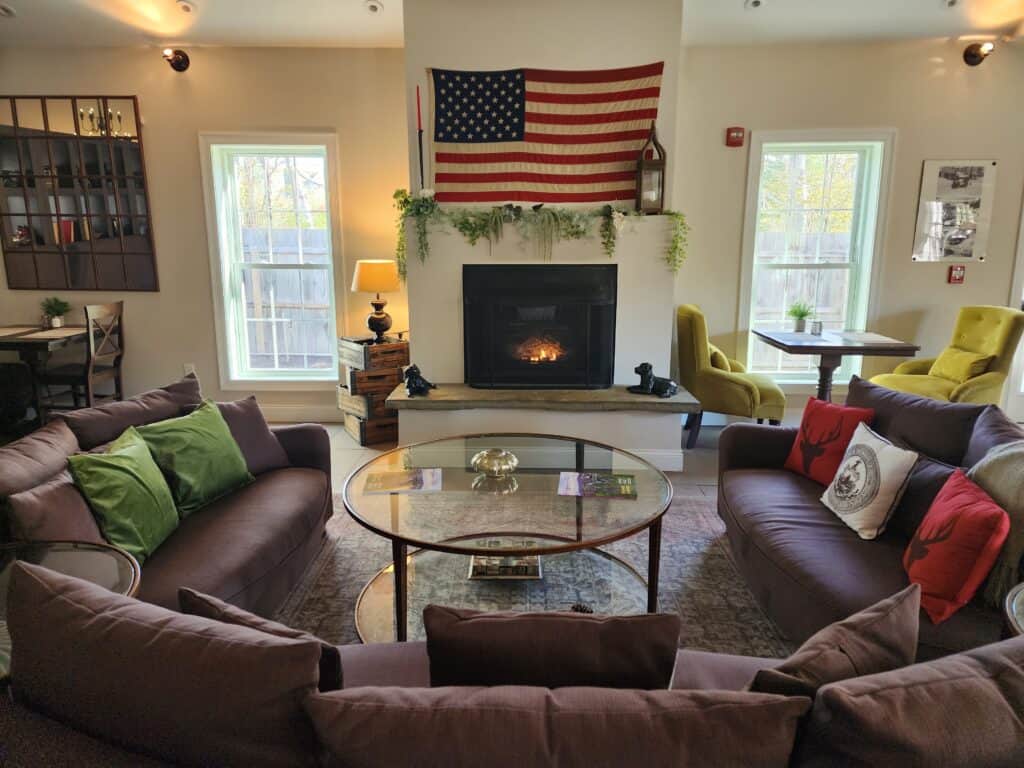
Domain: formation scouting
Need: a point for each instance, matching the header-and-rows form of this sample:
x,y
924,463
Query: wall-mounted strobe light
x,y
177,58
975,53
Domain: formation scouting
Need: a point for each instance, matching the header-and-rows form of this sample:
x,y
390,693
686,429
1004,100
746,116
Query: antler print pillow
x,y
955,546
869,483
825,431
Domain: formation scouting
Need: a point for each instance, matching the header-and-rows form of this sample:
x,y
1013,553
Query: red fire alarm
x,y
957,273
734,136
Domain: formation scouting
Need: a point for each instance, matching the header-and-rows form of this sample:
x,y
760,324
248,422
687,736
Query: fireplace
x,y
539,326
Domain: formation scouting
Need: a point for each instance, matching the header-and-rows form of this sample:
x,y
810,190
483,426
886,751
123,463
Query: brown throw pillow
x,y
962,710
35,458
550,649
515,727
198,604
182,688
102,424
52,511
877,639
260,447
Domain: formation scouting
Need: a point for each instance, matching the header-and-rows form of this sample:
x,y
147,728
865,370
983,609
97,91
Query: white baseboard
x,y
297,413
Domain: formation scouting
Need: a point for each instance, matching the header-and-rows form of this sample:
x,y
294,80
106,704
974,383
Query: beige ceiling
x,y
348,23
340,23
711,22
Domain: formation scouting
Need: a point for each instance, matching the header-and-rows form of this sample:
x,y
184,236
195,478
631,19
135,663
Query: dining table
x,y
832,346
34,345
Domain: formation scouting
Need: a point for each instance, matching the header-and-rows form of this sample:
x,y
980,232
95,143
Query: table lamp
x,y
376,276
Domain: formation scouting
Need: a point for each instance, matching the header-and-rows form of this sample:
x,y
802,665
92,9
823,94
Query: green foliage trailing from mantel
x,y
542,225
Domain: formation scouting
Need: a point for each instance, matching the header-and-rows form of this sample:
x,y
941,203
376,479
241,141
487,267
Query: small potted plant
x,y
800,311
54,310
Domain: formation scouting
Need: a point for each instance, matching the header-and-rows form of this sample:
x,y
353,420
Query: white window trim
x,y
272,381
887,137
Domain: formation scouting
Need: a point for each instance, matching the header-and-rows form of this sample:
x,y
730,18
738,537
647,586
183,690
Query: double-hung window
x,y
812,225
273,261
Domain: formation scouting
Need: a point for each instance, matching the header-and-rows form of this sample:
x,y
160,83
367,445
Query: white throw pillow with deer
x,y
871,479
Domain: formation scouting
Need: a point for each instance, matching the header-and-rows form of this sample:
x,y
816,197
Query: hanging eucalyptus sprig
x,y
612,222
676,253
423,209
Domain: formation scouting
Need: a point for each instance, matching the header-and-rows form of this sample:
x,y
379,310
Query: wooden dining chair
x,y
104,355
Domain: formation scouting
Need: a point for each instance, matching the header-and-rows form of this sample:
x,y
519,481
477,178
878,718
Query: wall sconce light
x,y
177,58
975,53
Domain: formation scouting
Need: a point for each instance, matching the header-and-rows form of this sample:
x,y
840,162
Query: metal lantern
x,y
650,175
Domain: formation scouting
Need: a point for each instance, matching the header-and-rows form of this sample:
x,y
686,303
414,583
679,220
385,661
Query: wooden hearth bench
x,y
649,426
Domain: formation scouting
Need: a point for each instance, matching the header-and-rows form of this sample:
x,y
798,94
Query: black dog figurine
x,y
651,384
415,384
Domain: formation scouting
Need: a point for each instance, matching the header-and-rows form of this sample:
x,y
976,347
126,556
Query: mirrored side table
x,y
1015,611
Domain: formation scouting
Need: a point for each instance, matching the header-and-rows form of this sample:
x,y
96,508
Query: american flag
x,y
540,135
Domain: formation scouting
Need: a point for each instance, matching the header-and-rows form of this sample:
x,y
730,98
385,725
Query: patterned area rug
x,y
699,581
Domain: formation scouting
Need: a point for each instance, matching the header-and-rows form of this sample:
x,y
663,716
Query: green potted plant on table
x,y
800,311
54,309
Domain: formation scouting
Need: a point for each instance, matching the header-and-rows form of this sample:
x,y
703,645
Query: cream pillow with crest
x,y
871,479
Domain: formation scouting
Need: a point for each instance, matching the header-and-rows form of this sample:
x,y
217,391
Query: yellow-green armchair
x,y
720,384
973,368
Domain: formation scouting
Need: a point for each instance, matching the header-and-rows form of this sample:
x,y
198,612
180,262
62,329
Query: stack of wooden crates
x,y
369,373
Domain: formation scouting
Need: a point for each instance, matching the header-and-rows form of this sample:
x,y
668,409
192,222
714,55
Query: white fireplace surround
x,y
643,333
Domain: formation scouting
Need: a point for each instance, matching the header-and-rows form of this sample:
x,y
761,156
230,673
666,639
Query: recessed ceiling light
x,y
752,4
185,6
374,6
7,11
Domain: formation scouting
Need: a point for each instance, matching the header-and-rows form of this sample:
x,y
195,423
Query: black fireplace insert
x,y
539,326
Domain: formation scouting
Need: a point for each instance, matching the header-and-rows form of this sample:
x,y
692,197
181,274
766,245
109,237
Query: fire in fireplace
x,y
540,349
533,326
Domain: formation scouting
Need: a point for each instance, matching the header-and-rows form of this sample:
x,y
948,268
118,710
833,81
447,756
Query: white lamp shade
x,y
376,276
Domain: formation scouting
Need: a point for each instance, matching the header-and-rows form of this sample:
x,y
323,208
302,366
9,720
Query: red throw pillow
x,y
955,546
825,432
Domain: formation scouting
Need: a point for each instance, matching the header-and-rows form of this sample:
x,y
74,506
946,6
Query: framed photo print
x,y
955,210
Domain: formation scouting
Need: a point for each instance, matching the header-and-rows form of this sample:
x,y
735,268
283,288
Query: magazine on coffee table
x,y
597,485
404,481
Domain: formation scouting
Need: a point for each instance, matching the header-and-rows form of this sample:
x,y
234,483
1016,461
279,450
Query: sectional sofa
x,y
806,567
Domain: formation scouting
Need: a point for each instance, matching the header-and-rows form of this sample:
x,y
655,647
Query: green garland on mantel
x,y
542,225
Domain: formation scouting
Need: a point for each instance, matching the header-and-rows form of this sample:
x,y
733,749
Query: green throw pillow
x,y
198,455
127,493
959,365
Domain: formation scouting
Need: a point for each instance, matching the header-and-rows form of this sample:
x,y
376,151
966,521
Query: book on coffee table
x,y
597,485
504,566
404,481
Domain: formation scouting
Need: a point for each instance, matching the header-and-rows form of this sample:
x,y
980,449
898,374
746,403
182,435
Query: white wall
x,y
940,108
567,34
356,93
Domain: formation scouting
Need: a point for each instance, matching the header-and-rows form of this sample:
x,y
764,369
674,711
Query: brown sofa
x,y
962,710
806,568
249,548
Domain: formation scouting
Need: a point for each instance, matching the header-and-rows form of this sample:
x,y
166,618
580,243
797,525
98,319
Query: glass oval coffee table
x,y
428,497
